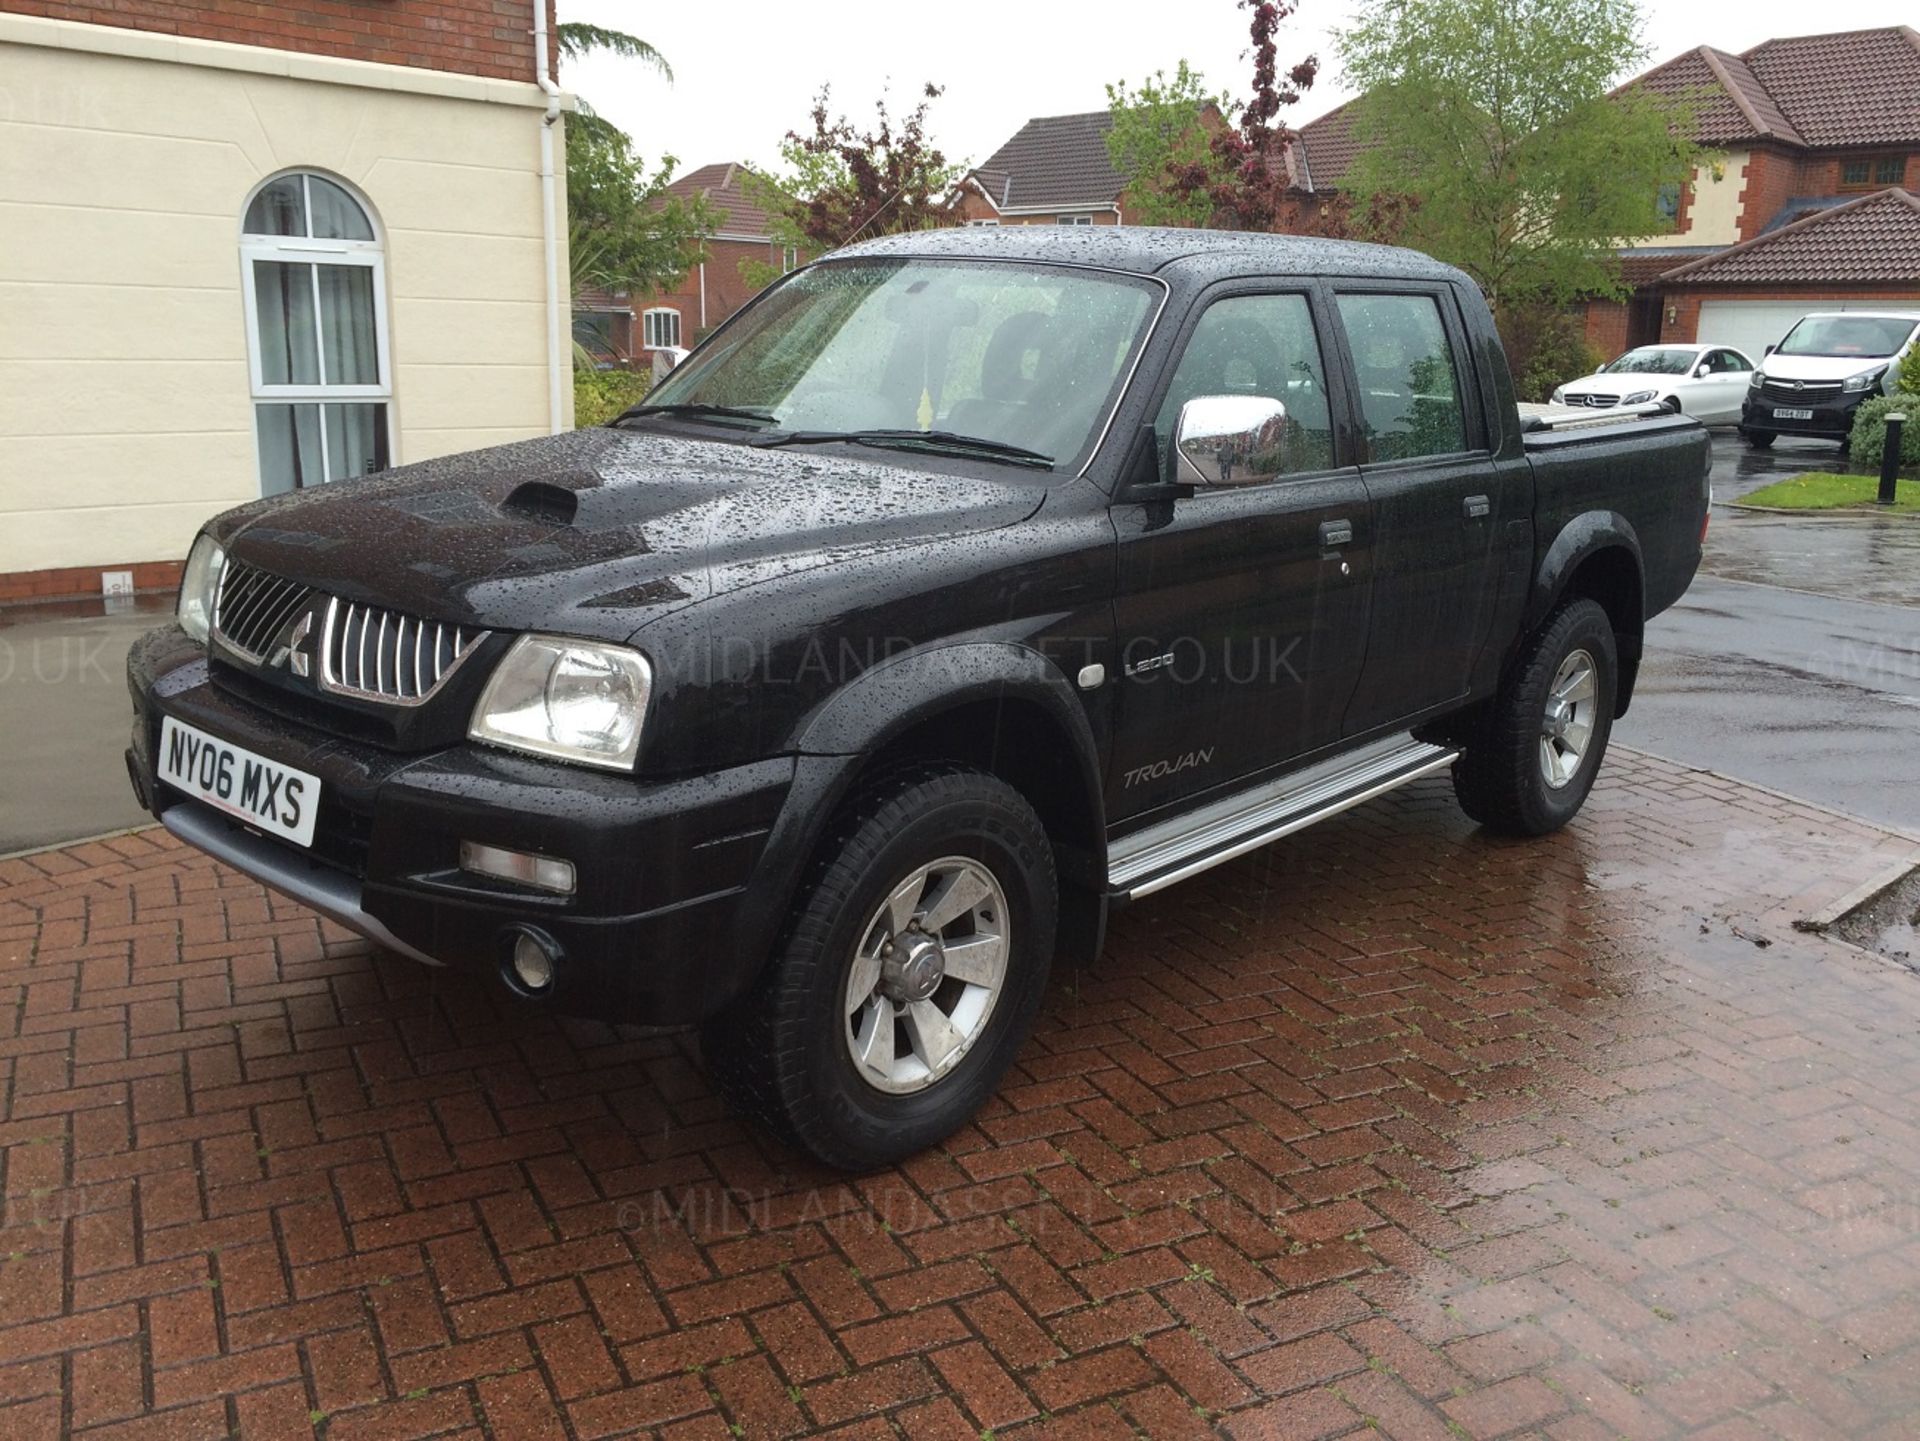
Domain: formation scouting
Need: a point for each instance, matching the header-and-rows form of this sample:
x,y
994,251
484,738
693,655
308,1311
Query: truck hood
x,y
1819,367
599,531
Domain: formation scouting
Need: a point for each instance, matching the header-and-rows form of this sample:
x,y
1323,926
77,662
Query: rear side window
x,y
1263,345
1409,383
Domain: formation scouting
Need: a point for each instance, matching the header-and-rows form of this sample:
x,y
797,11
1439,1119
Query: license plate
x,y
1784,414
274,798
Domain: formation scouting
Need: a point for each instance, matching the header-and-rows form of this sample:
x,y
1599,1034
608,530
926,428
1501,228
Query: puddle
x,y
1889,923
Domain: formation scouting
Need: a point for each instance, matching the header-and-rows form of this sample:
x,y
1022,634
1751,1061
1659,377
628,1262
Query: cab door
x,y
1241,609
1440,503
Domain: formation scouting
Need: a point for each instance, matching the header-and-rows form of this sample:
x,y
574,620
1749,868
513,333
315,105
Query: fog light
x,y
543,873
532,962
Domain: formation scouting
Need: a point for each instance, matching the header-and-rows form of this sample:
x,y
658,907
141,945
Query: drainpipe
x,y
549,230
703,295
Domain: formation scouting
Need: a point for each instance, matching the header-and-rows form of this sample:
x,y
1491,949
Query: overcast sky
x,y
745,73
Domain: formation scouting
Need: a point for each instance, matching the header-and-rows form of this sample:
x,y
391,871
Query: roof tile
x,y
1873,240
1054,162
721,184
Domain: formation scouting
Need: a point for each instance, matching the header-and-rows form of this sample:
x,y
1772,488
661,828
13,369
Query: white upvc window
x,y
989,221
789,259
315,286
659,328
1076,220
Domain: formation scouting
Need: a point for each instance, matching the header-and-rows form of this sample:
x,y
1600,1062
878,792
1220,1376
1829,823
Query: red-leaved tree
x,y
1243,176
844,183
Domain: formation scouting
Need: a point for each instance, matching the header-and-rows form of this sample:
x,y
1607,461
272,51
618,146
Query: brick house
x,y
715,288
254,247
1054,171
1818,151
1803,130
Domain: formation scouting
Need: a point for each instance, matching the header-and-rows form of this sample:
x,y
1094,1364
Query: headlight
x,y
1560,396
1865,380
1756,380
200,586
573,700
1639,397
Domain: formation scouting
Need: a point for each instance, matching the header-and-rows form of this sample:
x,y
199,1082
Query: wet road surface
x,y
1849,557
64,715
1794,661
1811,695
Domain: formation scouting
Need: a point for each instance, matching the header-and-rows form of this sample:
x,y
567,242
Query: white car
x,y
1708,382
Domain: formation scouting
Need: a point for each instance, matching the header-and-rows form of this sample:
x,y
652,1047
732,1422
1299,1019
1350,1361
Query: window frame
x,y
1073,220
647,317
1872,165
314,252
1467,381
1339,391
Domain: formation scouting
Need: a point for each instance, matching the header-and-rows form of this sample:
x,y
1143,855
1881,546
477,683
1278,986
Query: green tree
x,y
579,39
1162,128
1493,120
626,230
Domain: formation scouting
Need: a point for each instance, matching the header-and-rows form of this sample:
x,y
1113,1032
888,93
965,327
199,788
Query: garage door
x,y
1753,325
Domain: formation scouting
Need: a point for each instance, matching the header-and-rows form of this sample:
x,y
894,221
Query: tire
x,y
1759,439
1672,405
784,1053
1502,779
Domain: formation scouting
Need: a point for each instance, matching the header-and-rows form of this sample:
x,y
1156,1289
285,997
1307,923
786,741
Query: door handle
x,y
1478,507
1336,532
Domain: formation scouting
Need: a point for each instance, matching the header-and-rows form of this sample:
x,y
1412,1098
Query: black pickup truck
x,y
963,587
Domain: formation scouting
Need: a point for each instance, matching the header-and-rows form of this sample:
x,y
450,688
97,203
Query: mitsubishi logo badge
x,y
293,653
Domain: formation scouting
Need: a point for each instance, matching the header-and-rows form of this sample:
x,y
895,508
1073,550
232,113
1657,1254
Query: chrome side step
x,y
1159,855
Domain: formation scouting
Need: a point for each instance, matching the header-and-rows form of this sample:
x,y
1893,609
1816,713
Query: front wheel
x,y
1758,439
913,967
1531,761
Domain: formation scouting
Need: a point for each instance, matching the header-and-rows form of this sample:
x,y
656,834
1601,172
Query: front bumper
x,y
671,914
1832,418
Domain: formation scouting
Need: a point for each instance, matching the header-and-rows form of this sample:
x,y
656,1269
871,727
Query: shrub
x,y
1870,430
600,395
1907,378
1546,349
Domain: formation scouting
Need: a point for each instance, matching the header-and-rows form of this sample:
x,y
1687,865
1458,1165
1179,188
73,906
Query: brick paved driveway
x,y
1390,1124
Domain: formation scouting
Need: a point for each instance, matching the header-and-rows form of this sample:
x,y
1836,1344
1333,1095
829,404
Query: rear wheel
x,y
913,967
1531,762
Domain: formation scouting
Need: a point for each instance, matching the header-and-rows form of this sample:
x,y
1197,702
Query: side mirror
x,y
1701,369
1229,440
1768,351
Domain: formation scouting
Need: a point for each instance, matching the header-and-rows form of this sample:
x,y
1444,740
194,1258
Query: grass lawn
x,y
1818,490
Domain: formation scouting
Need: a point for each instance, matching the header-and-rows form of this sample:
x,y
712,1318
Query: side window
x,y
1263,345
1409,385
1726,362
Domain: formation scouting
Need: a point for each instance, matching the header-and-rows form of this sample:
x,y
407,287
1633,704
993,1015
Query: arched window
x,y
316,300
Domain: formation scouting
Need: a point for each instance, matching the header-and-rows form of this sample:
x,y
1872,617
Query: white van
x,y
1829,363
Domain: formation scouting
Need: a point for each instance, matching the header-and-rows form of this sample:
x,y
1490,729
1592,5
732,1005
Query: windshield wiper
x,y
947,441
699,410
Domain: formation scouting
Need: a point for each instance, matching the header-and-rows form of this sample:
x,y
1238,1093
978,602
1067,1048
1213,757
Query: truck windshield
x,y
1864,337
1026,358
1653,360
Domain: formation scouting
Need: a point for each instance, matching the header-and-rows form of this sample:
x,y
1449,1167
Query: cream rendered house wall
x,y
125,162
1714,216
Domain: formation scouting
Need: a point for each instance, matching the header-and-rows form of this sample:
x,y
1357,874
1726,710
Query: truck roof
x,y
1145,249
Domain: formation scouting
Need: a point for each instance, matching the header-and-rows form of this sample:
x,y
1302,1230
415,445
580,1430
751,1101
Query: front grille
x,y
253,607
1592,401
386,655
1808,392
